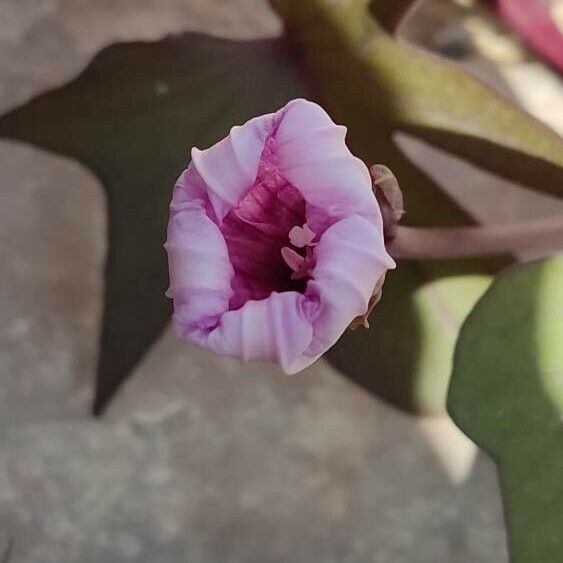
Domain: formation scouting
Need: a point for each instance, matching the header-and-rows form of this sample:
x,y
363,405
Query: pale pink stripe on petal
x,y
200,269
276,329
350,258
189,189
229,167
313,156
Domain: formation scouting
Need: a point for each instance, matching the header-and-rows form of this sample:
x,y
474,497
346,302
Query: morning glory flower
x,y
275,241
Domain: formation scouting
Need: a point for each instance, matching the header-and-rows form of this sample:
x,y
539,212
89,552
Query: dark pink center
x,y
257,230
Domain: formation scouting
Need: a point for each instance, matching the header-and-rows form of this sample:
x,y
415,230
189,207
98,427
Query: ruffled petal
x,y
277,329
220,281
350,259
190,189
200,269
229,167
313,156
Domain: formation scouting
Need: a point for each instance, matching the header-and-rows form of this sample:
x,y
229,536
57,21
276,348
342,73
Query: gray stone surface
x,y
45,42
51,248
199,459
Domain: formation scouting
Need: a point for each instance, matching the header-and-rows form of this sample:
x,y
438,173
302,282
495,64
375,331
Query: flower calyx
x,y
390,198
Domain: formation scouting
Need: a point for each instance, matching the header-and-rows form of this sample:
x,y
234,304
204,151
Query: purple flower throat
x,y
269,242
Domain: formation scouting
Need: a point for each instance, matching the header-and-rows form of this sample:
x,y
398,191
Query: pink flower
x,y
536,21
275,240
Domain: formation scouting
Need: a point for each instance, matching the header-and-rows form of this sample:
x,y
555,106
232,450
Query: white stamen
x,y
301,236
294,260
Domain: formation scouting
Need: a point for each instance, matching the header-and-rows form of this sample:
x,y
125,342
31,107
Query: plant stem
x,y
465,242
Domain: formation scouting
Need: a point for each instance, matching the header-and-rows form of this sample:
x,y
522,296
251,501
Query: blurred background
x,y
200,459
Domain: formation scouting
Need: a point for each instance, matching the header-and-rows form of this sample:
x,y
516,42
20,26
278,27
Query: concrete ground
x,y
199,460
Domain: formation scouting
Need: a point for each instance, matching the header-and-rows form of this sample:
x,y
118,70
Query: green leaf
x,y
132,117
506,394
520,167
437,101
378,86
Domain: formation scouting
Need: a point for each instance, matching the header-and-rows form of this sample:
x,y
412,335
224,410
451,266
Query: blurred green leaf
x,y
132,117
377,86
389,85
506,394
520,167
